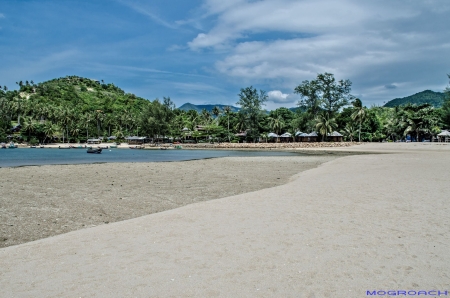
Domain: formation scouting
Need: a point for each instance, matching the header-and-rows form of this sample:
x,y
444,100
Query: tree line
x,y
74,109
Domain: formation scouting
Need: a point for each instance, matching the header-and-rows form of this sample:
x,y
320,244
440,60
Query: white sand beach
x,y
355,223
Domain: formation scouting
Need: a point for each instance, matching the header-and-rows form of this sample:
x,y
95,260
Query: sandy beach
x,y
340,228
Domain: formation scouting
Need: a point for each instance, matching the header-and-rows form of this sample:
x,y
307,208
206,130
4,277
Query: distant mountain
x,y
434,98
199,108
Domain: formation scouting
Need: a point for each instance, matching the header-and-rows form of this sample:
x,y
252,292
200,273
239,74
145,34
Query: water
x,y
44,156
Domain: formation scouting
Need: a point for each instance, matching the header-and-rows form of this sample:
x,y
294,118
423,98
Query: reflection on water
x,y
38,156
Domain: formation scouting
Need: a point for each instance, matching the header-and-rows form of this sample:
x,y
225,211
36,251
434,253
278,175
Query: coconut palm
x,y
349,131
29,126
359,114
49,130
325,125
227,111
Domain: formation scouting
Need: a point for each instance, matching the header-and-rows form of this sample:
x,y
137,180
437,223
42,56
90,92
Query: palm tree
x,y
325,125
29,126
276,123
216,113
359,114
49,130
227,111
349,131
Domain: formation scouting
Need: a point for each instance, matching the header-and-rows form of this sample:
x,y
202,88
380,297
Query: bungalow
x,y
335,136
134,140
94,141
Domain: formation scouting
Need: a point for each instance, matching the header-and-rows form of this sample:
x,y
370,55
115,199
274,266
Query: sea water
x,y
45,156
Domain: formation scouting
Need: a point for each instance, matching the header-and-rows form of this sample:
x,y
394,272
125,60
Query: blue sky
x,y
204,51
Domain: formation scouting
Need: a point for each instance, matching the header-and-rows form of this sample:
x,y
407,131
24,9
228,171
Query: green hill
x,y
434,98
81,94
199,108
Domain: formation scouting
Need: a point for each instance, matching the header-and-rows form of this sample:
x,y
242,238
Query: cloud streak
x,y
147,12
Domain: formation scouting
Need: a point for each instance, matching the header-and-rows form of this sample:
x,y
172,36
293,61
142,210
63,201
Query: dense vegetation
x,y
436,99
75,109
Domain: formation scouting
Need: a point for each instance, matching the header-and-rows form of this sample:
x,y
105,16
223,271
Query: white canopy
x,y
444,133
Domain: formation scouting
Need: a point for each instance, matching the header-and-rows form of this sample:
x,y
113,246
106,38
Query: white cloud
x,y
277,96
2,16
373,44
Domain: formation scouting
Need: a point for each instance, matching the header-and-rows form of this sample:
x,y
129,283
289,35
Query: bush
x,y
34,141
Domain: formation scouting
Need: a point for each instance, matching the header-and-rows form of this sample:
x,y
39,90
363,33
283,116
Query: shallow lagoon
x,y
44,156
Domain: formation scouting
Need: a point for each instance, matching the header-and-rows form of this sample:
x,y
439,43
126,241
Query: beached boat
x,y
136,147
33,146
94,150
113,146
67,147
12,146
102,147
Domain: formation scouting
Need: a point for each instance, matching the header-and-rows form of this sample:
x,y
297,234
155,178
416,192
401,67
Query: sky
x,y
205,51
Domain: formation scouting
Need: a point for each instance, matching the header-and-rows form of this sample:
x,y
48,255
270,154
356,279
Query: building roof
x,y
298,133
286,135
272,135
135,138
334,134
313,134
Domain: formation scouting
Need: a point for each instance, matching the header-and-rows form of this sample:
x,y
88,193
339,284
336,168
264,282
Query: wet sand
x,y
42,201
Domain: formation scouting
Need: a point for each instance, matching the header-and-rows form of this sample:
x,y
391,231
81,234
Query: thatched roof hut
x,y
335,136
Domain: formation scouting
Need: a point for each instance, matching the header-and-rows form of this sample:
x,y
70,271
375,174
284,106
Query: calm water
x,y
28,156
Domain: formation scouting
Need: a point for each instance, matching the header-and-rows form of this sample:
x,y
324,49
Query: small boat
x,y
42,146
113,146
178,147
12,146
163,148
94,150
33,146
102,147
136,147
76,147
3,145
68,147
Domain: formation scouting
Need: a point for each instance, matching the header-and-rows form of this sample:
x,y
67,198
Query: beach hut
x,y
297,136
94,141
241,136
135,140
335,137
444,136
272,137
312,137
286,137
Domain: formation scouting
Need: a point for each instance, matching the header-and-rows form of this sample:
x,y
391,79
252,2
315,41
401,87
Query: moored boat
x,y
12,146
3,145
94,150
102,147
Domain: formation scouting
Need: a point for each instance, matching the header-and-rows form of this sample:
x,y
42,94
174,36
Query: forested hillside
x,y
436,99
